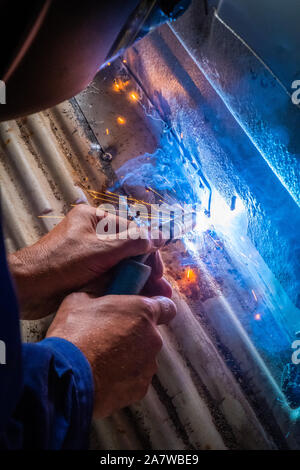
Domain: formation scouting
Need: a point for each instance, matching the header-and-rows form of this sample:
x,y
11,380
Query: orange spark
x,y
134,96
257,316
119,85
190,275
116,86
121,120
107,131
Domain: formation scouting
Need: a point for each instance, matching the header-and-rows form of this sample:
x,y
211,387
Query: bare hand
x,y
68,258
119,337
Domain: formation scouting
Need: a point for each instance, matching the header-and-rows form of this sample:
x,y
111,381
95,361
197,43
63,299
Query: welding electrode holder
x,y
130,276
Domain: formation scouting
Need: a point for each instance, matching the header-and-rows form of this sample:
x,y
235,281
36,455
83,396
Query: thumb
x,y
163,310
125,238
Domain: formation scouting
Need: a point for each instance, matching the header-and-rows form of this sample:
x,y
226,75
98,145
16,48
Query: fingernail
x,y
167,304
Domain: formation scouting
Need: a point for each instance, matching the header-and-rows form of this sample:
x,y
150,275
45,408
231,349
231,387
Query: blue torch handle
x,y
130,276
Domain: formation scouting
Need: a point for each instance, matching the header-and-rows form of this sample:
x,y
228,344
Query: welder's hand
x,y
119,337
69,257
156,284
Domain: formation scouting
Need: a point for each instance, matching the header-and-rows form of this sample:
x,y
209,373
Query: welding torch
x,y
131,275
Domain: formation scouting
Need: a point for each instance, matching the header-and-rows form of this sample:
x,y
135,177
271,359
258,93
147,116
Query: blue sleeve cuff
x,y
57,401
74,359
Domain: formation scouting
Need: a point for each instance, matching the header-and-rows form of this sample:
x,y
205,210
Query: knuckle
x,y
80,208
144,244
76,297
142,325
148,307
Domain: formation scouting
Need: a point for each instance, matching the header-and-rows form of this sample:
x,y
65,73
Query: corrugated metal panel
x,y
47,160
202,80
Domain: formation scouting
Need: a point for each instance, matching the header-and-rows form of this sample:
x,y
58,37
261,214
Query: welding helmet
x,y
52,49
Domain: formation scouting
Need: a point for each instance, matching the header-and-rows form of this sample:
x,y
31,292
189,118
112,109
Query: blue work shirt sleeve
x,y
55,408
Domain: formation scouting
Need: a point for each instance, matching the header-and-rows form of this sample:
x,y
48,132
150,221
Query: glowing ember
x,y
134,96
190,275
121,120
107,131
119,85
188,283
116,86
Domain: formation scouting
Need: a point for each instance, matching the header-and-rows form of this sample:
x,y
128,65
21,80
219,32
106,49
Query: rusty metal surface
x,y
47,162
